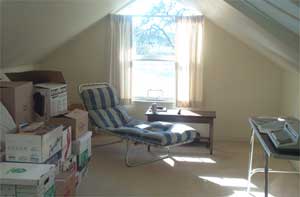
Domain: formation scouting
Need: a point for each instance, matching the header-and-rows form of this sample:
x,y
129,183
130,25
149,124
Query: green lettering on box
x,y
16,170
83,159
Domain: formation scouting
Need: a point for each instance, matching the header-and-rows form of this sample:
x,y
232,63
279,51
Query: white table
x,y
269,151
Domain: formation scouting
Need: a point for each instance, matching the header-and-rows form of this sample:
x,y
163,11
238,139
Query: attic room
x,y
150,98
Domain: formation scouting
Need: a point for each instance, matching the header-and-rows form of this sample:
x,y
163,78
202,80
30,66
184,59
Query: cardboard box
x,y
50,91
80,175
36,146
65,184
50,99
37,76
82,147
2,156
7,125
17,98
77,119
70,164
32,180
66,143
55,160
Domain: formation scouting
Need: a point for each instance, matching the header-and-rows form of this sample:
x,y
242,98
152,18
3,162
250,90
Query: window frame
x,y
155,58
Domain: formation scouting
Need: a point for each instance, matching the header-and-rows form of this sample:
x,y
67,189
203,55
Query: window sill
x,y
141,100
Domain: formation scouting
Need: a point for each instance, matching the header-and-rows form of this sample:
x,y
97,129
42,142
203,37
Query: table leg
x,y
266,174
250,161
211,136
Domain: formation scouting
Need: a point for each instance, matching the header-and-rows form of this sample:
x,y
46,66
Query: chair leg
x,y
128,164
106,144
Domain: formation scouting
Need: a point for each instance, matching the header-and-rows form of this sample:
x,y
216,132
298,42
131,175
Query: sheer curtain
x,y
189,66
120,56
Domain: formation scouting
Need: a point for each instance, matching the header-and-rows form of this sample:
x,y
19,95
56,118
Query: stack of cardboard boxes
x,y
76,146
49,152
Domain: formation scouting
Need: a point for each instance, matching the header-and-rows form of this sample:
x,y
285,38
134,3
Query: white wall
x,y
238,81
20,68
82,60
290,105
32,28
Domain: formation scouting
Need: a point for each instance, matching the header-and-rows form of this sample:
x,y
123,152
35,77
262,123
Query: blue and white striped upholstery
x,y
106,112
113,117
99,98
160,133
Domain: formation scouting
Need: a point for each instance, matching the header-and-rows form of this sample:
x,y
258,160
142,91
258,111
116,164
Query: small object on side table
x,y
154,108
179,112
188,116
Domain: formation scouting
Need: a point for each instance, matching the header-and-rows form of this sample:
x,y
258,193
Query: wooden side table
x,y
188,116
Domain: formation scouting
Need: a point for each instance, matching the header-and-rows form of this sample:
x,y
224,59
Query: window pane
x,y
154,36
158,7
154,80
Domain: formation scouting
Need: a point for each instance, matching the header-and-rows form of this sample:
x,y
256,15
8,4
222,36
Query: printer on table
x,y
283,132
288,137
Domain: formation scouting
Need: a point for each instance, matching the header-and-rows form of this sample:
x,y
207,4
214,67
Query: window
x,y
154,58
154,27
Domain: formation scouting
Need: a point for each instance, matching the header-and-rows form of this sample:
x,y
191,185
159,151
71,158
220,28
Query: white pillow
x,y
3,77
7,125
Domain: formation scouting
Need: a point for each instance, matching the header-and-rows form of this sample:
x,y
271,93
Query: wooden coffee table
x,y
188,116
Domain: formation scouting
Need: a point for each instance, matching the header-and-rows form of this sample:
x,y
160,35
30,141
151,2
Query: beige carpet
x,y
192,172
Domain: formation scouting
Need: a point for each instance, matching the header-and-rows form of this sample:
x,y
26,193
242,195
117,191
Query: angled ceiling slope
x,y
285,13
274,37
30,29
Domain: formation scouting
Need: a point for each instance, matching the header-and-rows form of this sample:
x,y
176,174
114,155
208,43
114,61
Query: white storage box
x,y
82,148
21,179
36,146
50,99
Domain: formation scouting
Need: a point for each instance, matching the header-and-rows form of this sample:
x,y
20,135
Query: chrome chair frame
x,y
127,138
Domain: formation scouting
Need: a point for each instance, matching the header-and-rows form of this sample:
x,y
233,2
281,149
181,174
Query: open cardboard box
x,y
77,119
17,99
37,76
50,92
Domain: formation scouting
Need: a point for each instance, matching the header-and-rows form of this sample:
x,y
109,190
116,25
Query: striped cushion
x,y
99,98
168,133
109,118
160,133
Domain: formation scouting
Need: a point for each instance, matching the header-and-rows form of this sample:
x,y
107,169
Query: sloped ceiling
x,y
275,41
285,12
30,29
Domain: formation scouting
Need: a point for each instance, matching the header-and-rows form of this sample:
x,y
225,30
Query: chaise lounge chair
x,y
107,115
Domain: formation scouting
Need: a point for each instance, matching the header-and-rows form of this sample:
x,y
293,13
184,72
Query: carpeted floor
x,y
191,172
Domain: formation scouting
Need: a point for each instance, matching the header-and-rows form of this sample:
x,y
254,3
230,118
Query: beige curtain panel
x,y
189,63
120,56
